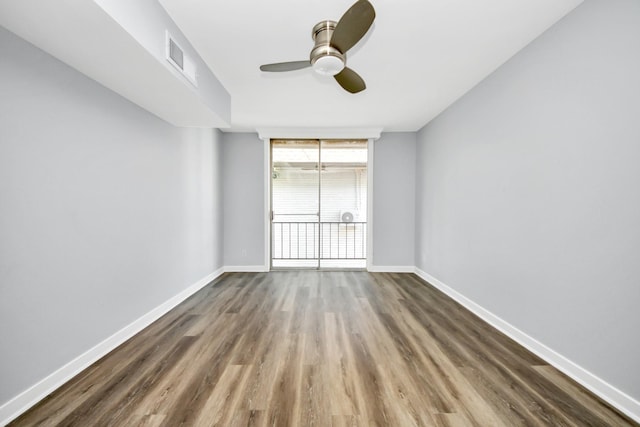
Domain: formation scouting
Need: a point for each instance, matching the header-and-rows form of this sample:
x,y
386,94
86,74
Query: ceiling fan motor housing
x,y
325,59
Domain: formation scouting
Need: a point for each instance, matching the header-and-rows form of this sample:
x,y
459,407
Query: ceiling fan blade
x,y
353,25
285,66
350,80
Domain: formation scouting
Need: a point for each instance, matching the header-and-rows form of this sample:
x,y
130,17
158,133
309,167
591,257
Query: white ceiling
x,y
85,36
417,59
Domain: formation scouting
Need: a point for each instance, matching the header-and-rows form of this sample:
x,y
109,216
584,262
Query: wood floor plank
x,y
516,405
266,364
321,348
339,368
146,421
187,407
315,408
284,405
165,394
122,408
221,405
597,407
451,420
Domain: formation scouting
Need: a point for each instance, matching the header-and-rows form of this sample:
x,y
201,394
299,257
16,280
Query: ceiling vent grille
x,y
176,57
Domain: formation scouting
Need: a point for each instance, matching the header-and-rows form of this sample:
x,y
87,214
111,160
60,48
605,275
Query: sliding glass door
x,y
319,203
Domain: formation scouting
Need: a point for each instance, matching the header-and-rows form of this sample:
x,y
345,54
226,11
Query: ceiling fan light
x,y
328,65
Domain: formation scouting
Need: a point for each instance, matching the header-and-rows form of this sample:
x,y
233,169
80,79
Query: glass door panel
x,y
343,203
295,186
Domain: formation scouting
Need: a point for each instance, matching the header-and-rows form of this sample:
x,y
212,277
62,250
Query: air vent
x,y
176,56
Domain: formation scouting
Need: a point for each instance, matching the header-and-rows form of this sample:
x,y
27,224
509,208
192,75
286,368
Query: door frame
x,y
266,134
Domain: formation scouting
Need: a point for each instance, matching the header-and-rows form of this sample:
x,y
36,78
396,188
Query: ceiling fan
x,y
332,41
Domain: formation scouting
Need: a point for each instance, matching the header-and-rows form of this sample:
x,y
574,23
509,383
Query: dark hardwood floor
x,y
307,348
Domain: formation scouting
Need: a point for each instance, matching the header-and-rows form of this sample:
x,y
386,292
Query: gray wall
x,y
527,191
394,200
105,213
244,216
147,22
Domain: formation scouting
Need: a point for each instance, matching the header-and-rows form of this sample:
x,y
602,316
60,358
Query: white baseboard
x,y
601,388
391,269
19,404
245,269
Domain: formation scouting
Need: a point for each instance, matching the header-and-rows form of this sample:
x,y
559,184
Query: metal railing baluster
x,y
337,243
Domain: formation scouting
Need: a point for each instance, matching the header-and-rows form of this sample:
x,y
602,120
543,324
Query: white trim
x,y
266,134
267,203
245,269
370,184
25,400
606,391
391,269
319,133
19,404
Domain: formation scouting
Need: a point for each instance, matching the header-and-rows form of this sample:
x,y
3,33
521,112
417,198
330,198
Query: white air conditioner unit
x,y
182,62
346,216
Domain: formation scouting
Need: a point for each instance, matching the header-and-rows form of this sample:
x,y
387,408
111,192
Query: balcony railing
x,y
319,240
